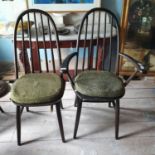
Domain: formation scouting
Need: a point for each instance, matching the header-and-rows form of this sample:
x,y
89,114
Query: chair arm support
x,y
65,64
139,66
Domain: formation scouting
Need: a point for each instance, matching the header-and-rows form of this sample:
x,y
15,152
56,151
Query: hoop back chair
x,y
38,79
97,56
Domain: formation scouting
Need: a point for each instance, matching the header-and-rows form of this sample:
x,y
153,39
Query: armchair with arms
x,y
96,75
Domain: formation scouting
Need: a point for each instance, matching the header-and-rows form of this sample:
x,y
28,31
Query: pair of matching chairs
x,y
95,78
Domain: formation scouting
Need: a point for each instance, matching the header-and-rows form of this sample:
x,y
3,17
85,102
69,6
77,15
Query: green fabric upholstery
x,y
99,84
37,88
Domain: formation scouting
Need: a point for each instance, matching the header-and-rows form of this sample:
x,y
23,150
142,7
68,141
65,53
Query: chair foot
x,y
77,120
117,112
58,111
117,138
1,109
18,124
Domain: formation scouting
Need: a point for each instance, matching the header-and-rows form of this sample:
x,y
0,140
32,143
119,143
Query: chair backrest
x,y
36,43
99,38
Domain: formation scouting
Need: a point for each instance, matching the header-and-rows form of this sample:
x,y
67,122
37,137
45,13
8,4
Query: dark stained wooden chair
x,y
38,78
96,76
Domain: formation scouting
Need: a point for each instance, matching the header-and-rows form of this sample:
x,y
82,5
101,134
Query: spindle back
x,y
36,43
99,38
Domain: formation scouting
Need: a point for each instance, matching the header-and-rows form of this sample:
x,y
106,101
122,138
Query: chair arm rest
x,y
139,66
65,64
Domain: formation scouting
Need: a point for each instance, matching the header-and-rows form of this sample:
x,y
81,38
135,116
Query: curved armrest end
x,y
140,67
65,64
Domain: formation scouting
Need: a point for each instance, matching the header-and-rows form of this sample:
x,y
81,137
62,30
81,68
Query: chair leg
x,y
78,113
1,109
52,108
27,109
18,124
21,110
117,111
111,104
76,102
61,105
58,105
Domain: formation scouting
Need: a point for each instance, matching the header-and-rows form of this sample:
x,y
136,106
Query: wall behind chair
x,y
6,50
6,46
9,11
114,5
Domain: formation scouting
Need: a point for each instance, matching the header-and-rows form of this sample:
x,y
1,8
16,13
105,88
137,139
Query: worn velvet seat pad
x,y
99,84
37,88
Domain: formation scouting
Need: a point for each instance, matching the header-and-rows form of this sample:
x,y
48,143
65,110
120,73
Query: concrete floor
x,y
41,136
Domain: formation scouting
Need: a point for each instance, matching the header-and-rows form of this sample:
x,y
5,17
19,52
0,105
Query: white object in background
x,y
9,10
59,19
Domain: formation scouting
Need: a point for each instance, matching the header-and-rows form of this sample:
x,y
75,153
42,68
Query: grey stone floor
x,y
40,132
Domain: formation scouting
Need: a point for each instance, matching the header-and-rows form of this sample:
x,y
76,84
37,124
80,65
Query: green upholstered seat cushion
x,y
37,88
99,84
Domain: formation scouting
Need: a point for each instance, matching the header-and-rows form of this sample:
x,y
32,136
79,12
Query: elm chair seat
x,y
37,88
99,84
